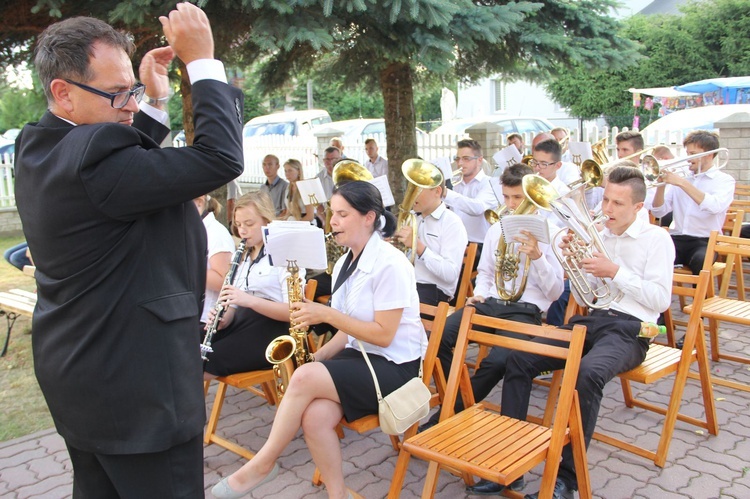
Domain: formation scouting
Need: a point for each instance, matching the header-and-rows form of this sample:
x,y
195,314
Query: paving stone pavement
x,y
700,466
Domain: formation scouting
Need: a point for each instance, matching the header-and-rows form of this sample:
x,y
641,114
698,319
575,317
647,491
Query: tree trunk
x,y
186,90
400,120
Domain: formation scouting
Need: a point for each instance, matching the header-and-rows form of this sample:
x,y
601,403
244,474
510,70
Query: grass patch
x,y
24,409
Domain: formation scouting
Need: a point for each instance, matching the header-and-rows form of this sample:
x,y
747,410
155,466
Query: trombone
x,y
652,168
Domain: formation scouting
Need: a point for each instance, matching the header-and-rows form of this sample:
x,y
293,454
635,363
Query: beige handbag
x,y
404,406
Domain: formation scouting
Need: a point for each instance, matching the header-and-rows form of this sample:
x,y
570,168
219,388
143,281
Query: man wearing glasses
x,y
120,250
472,195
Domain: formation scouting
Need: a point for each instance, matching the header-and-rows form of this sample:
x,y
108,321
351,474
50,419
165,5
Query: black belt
x,y
614,313
509,303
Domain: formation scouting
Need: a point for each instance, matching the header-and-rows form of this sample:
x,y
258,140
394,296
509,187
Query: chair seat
x,y
725,308
716,269
245,380
479,437
660,361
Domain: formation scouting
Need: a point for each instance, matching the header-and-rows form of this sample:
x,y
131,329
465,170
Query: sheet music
x,y
512,226
385,190
311,191
293,240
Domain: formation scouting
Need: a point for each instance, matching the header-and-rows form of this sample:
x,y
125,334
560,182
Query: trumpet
x,y
420,175
220,309
457,176
652,168
289,351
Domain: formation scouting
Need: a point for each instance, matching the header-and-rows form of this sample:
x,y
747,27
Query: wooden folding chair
x,y
464,283
662,361
244,381
722,307
431,372
494,447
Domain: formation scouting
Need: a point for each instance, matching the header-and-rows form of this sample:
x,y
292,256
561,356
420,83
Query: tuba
x,y
420,175
219,309
507,257
289,351
572,210
345,171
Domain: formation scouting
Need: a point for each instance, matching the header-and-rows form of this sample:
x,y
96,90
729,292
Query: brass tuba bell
x,y
420,175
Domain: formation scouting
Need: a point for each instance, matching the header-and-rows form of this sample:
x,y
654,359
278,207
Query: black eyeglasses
x,y
543,165
117,100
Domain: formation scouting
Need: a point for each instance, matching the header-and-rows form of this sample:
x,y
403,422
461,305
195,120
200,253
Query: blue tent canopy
x,y
734,90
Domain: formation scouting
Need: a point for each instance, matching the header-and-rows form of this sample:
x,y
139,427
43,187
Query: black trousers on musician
x,y
492,368
430,294
690,251
174,473
611,347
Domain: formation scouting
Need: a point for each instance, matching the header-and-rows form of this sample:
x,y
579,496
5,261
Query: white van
x,y
286,123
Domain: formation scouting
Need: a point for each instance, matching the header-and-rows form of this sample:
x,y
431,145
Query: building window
x,y
498,87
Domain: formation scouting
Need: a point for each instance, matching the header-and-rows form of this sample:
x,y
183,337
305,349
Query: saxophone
x,y
289,351
219,309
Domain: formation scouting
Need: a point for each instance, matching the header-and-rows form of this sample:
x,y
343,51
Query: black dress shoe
x,y
562,491
680,343
487,488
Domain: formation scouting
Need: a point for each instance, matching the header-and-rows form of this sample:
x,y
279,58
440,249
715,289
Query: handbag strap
x,y
372,371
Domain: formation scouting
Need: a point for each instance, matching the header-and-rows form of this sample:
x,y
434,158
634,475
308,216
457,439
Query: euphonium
x,y
572,210
288,352
219,309
345,171
507,257
421,175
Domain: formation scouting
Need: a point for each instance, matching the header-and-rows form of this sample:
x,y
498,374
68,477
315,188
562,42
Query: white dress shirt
x,y
692,219
219,241
569,172
378,168
327,182
645,254
470,201
264,280
545,282
445,238
383,280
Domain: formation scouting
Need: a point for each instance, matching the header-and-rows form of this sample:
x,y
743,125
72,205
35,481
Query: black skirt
x,y
241,347
354,383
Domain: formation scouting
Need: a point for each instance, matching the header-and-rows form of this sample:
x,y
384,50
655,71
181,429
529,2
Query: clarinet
x,y
219,309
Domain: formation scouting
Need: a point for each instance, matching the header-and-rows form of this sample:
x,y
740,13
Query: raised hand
x,y
189,33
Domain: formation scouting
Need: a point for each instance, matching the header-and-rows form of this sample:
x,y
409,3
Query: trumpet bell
x,y
349,171
591,173
539,191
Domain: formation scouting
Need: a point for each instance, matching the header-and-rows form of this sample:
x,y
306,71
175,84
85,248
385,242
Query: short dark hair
x,y
631,136
512,136
514,174
705,140
365,197
473,144
370,141
330,149
550,146
64,49
627,175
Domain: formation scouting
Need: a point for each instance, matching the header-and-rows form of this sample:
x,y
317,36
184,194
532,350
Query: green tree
x,y
710,39
19,106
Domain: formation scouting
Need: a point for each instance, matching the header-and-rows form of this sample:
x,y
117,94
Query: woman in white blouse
x,y
294,207
258,297
374,300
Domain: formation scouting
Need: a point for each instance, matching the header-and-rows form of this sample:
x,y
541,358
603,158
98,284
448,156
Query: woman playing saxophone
x,y
257,299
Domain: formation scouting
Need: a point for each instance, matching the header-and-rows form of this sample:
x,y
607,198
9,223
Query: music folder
x,y
293,240
311,191
512,225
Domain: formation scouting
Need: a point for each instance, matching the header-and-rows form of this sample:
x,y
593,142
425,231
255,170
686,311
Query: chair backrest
x,y
571,354
733,223
310,287
464,282
696,288
733,249
434,319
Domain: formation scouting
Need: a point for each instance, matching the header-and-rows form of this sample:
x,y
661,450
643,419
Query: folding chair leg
x,y
317,479
430,482
707,389
213,420
206,385
713,329
402,464
578,446
627,393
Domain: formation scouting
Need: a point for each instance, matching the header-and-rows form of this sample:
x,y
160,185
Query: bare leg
x,y
208,376
319,426
310,382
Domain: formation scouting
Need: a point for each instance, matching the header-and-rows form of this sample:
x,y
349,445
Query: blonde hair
x,y
293,198
261,201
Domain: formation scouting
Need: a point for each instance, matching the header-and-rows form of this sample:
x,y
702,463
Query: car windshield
x,y
259,129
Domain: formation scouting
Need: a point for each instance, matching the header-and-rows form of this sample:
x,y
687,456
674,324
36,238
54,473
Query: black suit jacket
x,y
120,253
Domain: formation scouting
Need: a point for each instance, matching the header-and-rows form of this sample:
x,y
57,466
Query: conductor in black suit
x,y
120,250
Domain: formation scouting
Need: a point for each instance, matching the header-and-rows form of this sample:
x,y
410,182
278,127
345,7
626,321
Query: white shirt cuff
x,y
206,69
157,114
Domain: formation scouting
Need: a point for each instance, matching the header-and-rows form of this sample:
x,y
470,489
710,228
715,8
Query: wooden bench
x,y
12,304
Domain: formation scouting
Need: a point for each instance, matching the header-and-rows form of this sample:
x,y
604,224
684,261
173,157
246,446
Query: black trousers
x,y
174,473
430,294
492,368
690,251
611,347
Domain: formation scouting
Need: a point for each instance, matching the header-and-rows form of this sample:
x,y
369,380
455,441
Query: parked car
x,y
11,134
358,130
671,129
509,124
286,123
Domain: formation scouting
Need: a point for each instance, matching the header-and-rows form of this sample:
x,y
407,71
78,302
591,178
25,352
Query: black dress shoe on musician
x,y
487,488
562,491
680,343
